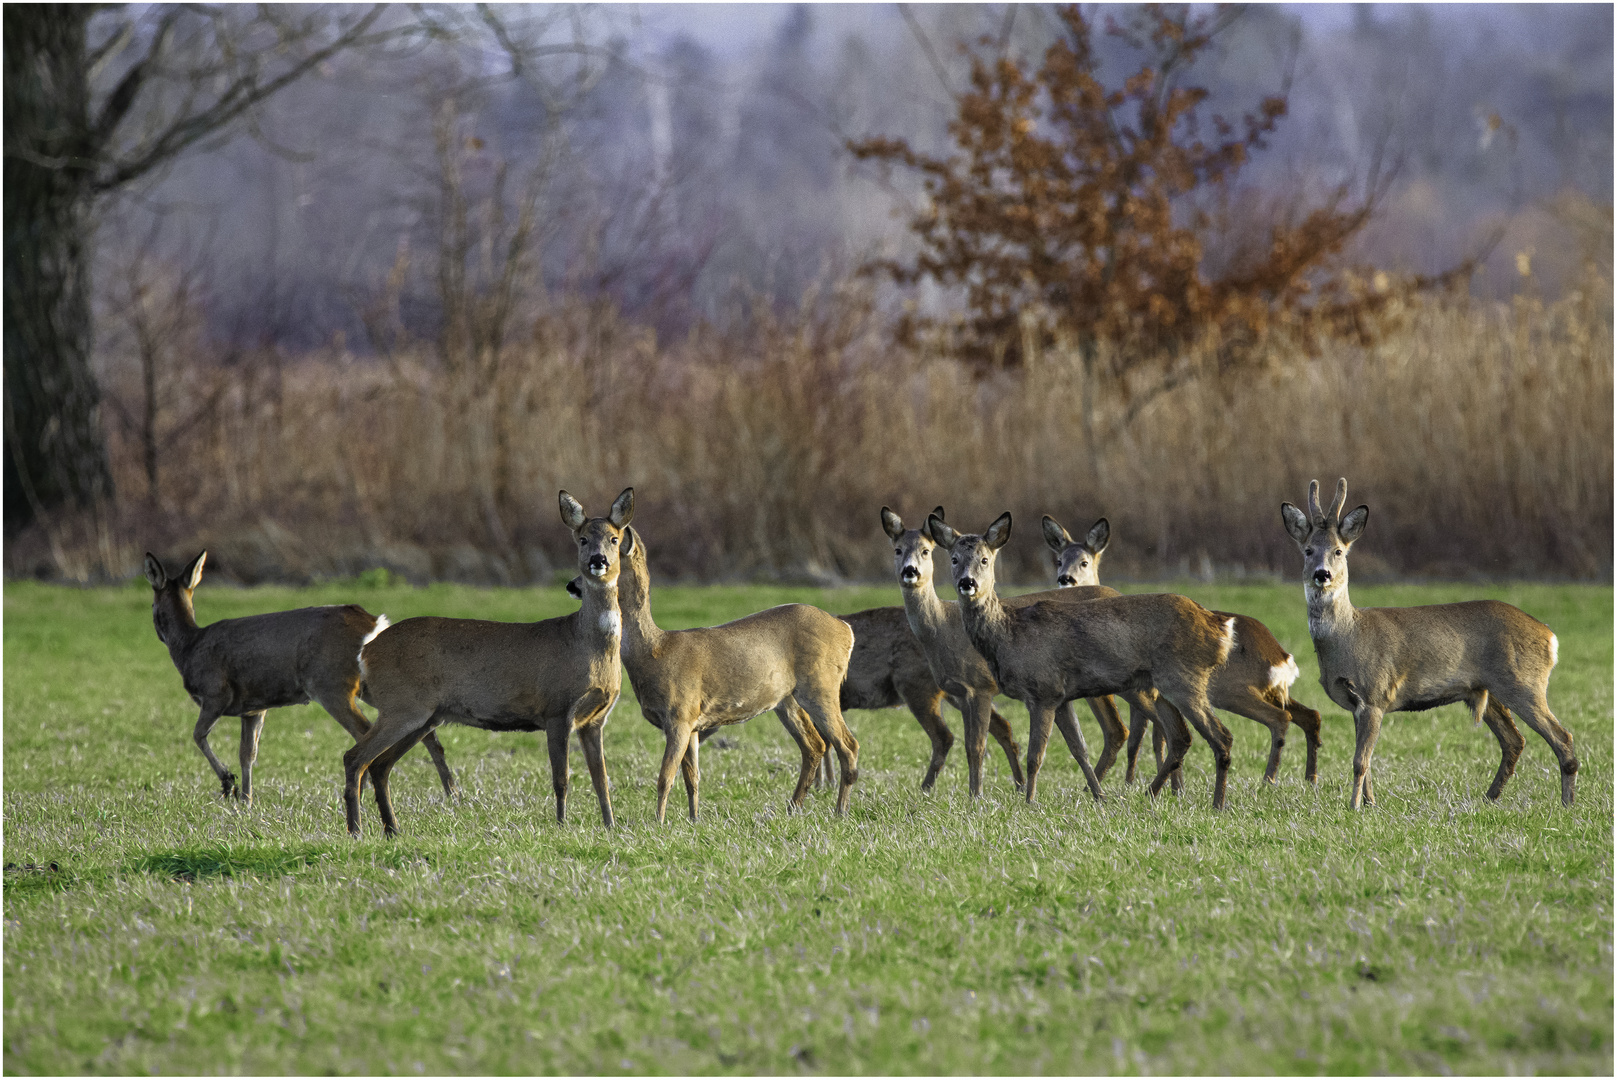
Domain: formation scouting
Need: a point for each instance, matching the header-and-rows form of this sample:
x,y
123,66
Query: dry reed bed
x,y
1481,436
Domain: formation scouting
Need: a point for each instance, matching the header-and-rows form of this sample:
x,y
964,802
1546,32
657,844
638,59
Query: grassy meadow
x,y
179,932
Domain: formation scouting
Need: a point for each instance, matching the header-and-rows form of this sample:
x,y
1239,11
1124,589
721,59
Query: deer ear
x,y
891,524
941,534
626,546
156,576
1353,522
572,513
999,532
1055,537
937,512
1100,534
622,511
192,574
575,588
1297,523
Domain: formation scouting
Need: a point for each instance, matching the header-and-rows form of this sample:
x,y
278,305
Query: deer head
x,y
1324,538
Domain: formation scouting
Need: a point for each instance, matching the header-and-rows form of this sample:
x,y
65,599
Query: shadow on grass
x,y
236,860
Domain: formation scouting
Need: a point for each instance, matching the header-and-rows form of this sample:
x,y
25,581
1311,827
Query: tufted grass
x,y
181,933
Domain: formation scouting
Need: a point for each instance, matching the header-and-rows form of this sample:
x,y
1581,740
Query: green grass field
x,y
181,933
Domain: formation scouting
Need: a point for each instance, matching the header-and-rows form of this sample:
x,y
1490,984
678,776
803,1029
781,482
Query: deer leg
x,y
809,744
592,712
1113,734
1137,725
252,726
1068,723
557,732
927,709
975,710
1040,717
1170,727
357,761
690,767
1534,711
1511,743
205,723
1191,701
1309,721
826,717
435,750
1366,729
381,770
678,732
1253,705
1000,729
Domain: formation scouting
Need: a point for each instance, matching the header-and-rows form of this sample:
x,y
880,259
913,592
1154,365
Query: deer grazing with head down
x,y
790,659
1494,657
1048,652
243,667
956,665
1255,682
557,676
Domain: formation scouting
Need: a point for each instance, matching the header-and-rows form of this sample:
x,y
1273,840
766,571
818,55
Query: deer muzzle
x,y
1322,576
909,575
1066,581
597,566
966,586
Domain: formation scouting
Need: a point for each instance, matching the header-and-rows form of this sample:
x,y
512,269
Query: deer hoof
x,y
227,784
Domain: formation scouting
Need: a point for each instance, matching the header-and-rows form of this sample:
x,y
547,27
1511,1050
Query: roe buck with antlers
x,y
1494,657
887,669
243,667
1255,682
557,676
791,659
1047,653
960,669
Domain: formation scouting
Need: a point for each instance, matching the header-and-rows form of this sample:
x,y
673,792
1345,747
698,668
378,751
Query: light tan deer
x,y
557,676
1255,682
243,667
887,669
791,659
958,667
1494,657
1048,652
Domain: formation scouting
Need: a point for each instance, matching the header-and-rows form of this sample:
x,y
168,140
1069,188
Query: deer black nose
x,y
1322,576
966,585
1066,581
597,564
908,574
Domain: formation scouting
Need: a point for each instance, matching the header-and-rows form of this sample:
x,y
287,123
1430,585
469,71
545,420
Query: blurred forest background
x,y
380,316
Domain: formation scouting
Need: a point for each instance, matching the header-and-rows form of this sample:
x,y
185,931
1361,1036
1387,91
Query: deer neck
x,y
641,634
927,614
986,621
1330,614
179,626
599,612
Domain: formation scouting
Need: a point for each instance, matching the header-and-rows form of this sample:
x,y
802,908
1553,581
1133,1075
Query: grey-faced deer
x,y
557,676
887,669
791,659
1255,682
956,664
1047,653
243,667
1494,657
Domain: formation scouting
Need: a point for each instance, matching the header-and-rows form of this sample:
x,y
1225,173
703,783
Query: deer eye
x,y
954,560
1308,551
1339,551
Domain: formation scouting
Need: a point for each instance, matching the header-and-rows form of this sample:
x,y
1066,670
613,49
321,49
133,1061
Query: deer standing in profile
x,y
1494,657
887,669
1046,653
790,659
243,667
956,665
557,676
1255,682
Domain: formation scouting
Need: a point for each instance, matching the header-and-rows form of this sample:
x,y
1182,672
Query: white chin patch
x,y
610,623
597,571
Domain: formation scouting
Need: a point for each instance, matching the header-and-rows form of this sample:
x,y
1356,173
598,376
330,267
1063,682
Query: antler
x,y
1335,513
1314,514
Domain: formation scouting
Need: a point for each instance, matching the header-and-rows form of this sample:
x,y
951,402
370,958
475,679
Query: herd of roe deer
x,y
1168,657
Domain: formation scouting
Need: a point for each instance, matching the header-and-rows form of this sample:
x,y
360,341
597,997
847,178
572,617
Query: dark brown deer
x,y
243,667
557,676
1255,682
1047,653
1494,657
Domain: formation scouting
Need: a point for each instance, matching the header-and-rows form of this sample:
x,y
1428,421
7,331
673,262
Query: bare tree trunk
x,y
55,454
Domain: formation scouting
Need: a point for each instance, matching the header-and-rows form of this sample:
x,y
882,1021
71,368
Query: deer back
x,y
275,659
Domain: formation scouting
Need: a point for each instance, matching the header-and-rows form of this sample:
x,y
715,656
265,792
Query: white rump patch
x,y
611,623
1229,628
1555,650
381,624
1281,676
